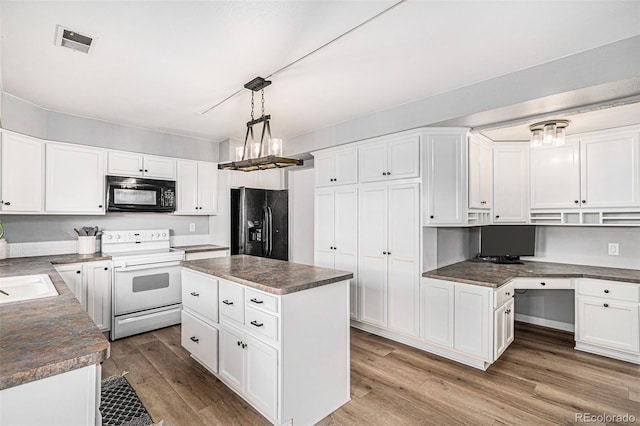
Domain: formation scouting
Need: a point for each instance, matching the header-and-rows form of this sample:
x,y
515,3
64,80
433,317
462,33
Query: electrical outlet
x,y
192,228
614,249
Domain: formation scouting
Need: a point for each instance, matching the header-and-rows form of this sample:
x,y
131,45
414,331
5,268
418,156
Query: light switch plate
x,y
614,249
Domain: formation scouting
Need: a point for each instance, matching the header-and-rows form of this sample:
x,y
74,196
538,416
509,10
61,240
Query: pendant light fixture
x,y
259,155
548,133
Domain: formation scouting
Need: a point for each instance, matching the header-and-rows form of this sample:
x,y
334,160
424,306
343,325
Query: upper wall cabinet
x,y
197,187
265,179
149,166
391,158
510,182
22,174
338,167
480,173
74,179
555,176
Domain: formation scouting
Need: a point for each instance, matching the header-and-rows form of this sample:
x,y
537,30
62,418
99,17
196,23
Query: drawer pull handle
x,y
606,291
194,294
543,284
195,339
606,305
254,300
226,302
257,324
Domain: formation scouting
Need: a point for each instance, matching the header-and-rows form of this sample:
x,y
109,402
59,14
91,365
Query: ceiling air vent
x,y
72,39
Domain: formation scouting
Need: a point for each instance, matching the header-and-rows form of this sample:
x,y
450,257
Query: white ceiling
x,y
157,64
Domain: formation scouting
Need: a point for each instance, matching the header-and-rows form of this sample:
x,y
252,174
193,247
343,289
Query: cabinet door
x,y
187,187
124,163
98,275
502,328
446,182
509,323
486,174
21,174
510,183
159,167
231,362
207,187
346,167
261,375
324,228
475,175
608,323
403,285
373,162
324,167
346,238
404,157
73,278
555,177
611,171
270,179
372,264
473,315
437,311
75,179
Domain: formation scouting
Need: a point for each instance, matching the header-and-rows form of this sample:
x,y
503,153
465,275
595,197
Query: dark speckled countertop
x,y
49,336
201,248
489,274
270,275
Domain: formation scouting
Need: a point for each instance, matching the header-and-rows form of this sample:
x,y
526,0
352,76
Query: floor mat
x,y
120,405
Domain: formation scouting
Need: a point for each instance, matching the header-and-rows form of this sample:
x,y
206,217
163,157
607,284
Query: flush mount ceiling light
x,y
548,133
256,155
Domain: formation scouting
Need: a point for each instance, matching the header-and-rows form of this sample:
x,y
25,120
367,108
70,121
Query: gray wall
x,y
38,228
23,117
456,245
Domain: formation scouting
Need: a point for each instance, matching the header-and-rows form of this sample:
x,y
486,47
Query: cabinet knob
x,y
226,302
384,252
195,339
497,216
543,284
431,217
7,203
78,272
584,201
388,173
507,293
388,253
239,343
194,294
140,170
256,323
145,170
606,291
244,346
576,201
384,173
106,269
99,206
606,305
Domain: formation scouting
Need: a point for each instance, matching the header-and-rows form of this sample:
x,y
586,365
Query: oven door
x,y
141,287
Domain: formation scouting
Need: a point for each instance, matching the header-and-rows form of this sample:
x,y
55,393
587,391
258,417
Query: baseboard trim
x,y
544,322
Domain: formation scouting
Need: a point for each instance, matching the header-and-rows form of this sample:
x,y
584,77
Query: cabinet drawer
x,y
611,324
200,294
543,283
231,305
503,294
609,290
262,323
201,340
261,300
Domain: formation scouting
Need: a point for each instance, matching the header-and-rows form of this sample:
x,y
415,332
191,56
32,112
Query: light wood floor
x,y
539,380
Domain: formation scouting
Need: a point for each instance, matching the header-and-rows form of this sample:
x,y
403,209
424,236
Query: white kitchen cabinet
x,y
472,321
480,172
437,311
197,187
21,174
503,324
336,238
74,179
200,339
555,176
608,318
264,179
339,167
610,170
90,282
445,178
390,158
388,266
148,166
510,183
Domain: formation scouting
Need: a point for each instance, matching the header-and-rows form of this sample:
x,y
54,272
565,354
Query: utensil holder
x,y
86,245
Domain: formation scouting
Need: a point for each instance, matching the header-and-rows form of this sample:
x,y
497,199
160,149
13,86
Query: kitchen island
x,y
275,332
50,352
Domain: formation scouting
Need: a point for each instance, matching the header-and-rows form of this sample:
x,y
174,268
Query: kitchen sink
x,y
26,287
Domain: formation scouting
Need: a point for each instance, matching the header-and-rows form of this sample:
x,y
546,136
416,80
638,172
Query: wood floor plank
x,y
541,379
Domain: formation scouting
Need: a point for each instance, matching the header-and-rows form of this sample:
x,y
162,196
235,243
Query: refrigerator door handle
x,y
265,233
269,231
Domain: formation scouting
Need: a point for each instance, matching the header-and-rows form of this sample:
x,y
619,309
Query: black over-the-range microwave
x,y
134,194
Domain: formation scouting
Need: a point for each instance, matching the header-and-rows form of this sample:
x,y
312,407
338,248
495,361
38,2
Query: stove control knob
x,y
110,237
117,236
164,234
158,234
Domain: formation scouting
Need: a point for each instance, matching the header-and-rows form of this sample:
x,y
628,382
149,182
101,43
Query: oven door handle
x,y
124,267
143,316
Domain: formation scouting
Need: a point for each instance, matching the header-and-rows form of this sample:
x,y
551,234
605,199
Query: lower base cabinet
x,y
503,322
286,355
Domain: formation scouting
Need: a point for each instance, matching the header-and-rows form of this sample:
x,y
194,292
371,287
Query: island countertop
x,y
48,336
269,275
489,274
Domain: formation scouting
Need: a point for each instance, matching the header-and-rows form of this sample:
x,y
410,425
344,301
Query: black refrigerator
x,y
260,222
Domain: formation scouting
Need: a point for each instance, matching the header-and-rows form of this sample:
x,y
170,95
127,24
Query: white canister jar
x,y
86,244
